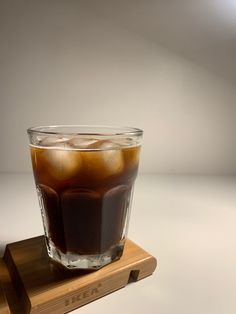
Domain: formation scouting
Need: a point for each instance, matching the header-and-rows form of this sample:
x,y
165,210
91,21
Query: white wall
x,y
60,64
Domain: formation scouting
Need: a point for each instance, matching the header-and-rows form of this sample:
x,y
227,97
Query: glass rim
x,y
108,130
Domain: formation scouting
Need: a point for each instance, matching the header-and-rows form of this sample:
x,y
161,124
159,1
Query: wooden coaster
x,y
4,288
11,302
45,287
4,308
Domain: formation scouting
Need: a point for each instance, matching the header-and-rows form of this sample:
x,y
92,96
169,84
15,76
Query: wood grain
x,y
4,308
45,287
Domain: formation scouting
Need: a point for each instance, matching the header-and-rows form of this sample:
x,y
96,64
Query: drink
x,y
84,183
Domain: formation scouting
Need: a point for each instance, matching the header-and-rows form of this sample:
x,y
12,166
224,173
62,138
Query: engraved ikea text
x,y
83,295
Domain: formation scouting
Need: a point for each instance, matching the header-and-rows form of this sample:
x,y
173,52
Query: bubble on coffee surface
x,y
62,163
106,159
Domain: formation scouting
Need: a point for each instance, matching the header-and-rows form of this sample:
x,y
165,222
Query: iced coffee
x,y
84,178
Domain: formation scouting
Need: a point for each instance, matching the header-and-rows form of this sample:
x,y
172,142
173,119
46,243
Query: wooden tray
x,y
4,308
42,286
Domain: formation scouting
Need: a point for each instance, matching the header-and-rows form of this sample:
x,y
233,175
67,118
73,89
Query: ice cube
x,y
112,161
105,145
54,141
36,139
105,160
131,156
81,143
124,142
62,163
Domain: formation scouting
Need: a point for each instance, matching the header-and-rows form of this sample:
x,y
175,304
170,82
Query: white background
x,y
61,64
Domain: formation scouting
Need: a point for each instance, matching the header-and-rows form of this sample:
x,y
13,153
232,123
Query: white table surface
x,y
187,223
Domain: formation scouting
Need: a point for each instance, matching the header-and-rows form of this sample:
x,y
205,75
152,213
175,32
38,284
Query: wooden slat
x,y
4,308
46,287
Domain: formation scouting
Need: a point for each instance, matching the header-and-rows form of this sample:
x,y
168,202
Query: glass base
x,y
76,261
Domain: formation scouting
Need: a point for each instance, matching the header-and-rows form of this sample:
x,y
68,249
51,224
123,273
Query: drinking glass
x,y
84,177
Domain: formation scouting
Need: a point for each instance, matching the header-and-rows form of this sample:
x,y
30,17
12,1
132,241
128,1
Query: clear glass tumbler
x,y
84,177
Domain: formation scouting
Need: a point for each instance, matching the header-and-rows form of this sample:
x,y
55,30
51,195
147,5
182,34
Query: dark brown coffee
x,y
84,192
